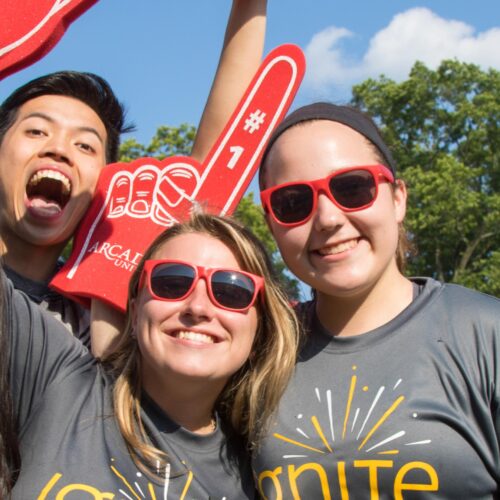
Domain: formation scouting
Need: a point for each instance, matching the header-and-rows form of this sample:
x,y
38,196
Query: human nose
x,y
57,148
327,215
197,304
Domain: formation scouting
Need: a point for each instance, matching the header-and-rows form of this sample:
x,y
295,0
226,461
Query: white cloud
x,y
417,34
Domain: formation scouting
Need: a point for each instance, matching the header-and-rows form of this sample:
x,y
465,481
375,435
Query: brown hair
x,y
252,394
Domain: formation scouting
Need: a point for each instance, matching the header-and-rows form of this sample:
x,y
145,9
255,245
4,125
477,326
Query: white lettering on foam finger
x,y
124,258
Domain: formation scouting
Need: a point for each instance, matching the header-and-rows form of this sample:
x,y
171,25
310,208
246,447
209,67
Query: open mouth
x,y
338,248
48,191
201,338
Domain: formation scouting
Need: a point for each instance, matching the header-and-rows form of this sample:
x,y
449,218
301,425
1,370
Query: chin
x,y
347,287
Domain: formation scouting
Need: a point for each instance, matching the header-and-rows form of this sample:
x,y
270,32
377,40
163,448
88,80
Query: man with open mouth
x,y
57,133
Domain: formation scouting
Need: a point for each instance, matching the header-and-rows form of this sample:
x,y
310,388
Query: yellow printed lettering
x,y
293,475
373,465
70,488
273,476
96,494
46,489
400,486
344,491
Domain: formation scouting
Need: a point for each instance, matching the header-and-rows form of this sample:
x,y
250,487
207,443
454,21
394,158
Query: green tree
x,y
251,215
443,128
167,141
171,141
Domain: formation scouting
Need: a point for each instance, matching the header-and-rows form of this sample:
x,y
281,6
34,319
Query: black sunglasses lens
x,y
353,189
232,289
172,281
292,203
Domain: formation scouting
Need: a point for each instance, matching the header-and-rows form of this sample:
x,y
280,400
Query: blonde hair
x,y
253,392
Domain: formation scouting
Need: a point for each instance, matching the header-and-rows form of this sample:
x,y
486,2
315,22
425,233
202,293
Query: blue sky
x,y
160,56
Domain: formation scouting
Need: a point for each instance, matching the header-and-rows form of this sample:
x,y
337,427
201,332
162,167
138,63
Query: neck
x,y
30,261
188,403
357,314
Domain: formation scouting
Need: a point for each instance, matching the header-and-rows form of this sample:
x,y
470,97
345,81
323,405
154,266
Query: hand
x,y
135,201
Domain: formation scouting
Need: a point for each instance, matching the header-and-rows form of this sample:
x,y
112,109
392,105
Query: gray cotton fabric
x,y
409,410
71,446
72,315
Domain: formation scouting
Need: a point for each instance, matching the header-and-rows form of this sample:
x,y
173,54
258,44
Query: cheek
x,y
244,330
292,242
148,313
380,225
89,172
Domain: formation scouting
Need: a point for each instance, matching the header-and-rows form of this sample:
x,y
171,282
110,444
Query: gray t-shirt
x,y
71,446
72,315
409,410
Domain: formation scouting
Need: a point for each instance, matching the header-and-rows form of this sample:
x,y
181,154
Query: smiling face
x,y
337,253
192,338
50,160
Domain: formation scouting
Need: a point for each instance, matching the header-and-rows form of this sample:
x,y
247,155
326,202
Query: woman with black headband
x,y
397,390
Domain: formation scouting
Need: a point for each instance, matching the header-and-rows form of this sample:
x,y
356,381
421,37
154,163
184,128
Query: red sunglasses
x,y
229,289
350,189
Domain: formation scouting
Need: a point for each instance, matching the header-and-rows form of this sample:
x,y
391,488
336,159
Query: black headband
x,y
349,116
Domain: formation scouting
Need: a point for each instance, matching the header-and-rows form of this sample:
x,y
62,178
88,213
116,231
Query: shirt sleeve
x,y
40,350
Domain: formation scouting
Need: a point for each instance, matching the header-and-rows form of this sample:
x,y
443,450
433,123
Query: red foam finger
x,y
115,233
31,28
234,158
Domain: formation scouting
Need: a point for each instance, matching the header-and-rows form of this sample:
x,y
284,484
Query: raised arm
x,y
239,60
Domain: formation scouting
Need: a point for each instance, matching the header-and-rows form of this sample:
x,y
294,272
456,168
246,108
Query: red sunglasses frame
x,y
201,272
379,172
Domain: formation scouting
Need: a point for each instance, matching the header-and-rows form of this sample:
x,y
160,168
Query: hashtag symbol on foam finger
x,y
136,201
254,121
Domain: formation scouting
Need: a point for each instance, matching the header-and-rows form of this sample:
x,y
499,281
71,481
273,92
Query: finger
x,y
143,185
120,192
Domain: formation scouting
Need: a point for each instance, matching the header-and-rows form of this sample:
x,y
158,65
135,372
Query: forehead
x,y
198,249
314,149
62,111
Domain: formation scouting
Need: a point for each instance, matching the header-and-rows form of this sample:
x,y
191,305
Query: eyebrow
x,y
38,114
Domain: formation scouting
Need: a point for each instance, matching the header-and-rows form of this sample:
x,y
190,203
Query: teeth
x,y
197,337
51,174
341,247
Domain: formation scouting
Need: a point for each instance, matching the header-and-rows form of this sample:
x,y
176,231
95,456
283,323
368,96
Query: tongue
x,y
44,208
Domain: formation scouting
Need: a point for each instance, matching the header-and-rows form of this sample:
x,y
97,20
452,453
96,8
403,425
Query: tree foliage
x,y
443,128
172,141
251,215
168,141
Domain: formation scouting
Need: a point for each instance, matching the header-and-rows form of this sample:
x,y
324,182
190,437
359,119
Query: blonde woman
x,y
209,346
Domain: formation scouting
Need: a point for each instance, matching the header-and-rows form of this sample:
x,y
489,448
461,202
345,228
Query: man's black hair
x,y
89,88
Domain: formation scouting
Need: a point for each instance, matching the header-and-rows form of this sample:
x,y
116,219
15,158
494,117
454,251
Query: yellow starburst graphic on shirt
x,y
366,429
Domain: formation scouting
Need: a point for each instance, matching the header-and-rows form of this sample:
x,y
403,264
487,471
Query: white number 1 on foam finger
x,y
233,160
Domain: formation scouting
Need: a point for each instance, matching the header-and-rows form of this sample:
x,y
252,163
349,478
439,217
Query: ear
x,y
399,196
